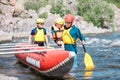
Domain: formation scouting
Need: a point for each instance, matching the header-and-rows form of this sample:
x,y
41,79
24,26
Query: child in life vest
x,y
57,30
39,34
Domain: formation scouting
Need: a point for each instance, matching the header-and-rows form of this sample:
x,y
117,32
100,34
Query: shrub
x,y
116,2
112,27
34,5
44,15
59,8
0,11
95,11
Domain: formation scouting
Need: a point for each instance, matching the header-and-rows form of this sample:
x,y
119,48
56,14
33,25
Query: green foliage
x,y
0,11
116,2
34,5
59,8
112,27
95,11
44,15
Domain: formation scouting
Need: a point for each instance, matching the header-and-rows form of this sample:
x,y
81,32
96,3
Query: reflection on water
x,y
106,58
88,73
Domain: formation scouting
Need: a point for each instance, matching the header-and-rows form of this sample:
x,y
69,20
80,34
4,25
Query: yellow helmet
x,y
40,20
59,21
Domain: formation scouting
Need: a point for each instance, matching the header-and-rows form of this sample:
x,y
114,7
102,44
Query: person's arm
x,y
30,39
82,42
81,37
31,36
46,37
52,33
62,45
46,40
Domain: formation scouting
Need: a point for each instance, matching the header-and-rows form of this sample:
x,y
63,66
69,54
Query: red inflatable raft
x,y
49,62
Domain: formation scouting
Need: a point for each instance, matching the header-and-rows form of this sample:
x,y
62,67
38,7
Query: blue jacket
x,y
75,33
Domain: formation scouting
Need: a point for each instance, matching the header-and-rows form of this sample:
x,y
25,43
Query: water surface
x,y
103,48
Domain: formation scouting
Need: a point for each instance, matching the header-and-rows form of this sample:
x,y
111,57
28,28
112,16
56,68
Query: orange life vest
x,y
58,32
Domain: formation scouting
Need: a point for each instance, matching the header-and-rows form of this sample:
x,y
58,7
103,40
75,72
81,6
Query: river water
x,y
103,48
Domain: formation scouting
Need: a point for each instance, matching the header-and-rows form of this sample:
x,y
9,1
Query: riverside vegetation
x,y
95,11
18,16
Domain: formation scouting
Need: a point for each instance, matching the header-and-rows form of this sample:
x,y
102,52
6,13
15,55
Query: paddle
x,y
29,51
18,45
20,48
14,46
88,60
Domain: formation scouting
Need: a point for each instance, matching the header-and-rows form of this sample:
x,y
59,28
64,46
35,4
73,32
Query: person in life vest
x,y
57,30
70,35
38,34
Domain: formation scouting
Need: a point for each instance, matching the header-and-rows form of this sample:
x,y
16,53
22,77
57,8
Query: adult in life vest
x,y
38,34
57,30
70,36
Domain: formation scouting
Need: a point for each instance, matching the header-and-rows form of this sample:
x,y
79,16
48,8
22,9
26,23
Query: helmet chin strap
x,y
40,28
67,27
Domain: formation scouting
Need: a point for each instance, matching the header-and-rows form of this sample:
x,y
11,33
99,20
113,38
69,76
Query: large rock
x,y
45,9
32,14
5,36
18,9
5,2
12,2
7,10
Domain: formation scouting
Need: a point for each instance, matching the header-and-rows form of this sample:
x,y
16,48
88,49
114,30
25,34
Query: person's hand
x,y
49,47
59,43
83,42
62,45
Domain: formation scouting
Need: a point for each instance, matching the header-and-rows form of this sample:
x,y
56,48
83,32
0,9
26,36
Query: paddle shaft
x,y
19,48
84,48
19,52
29,51
13,44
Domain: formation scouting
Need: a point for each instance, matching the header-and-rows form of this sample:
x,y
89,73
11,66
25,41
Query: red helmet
x,y
69,18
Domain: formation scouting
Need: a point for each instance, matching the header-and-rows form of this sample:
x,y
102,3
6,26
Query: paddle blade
x,y
88,61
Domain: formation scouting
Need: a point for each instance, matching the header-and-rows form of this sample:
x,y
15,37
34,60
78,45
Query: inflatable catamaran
x,y
49,62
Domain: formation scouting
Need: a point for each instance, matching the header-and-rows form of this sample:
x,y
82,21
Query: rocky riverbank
x,y
85,28
20,26
5,37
